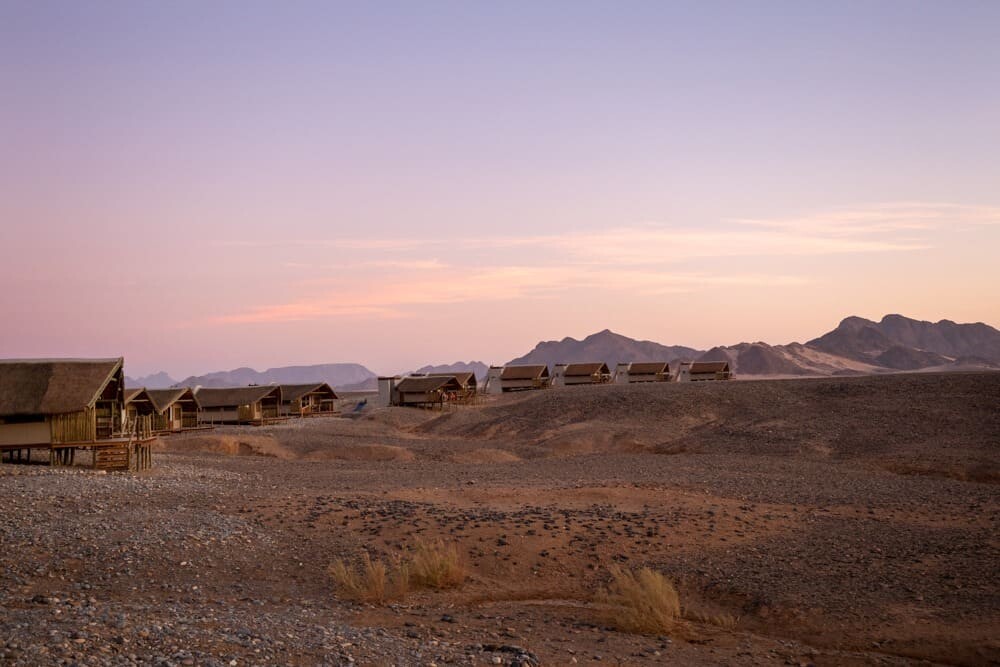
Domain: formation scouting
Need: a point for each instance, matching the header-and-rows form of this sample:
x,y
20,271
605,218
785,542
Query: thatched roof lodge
x,y
239,405
303,400
642,371
467,379
65,404
427,390
171,410
587,373
702,371
517,378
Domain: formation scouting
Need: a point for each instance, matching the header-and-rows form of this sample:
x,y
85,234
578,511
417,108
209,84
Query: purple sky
x,y
200,186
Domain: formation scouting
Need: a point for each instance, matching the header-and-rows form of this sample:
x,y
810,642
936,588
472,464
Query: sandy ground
x,y
829,522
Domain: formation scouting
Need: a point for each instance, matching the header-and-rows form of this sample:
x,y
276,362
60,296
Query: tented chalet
x,y
239,405
642,371
427,390
304,400
702,371
466,379
517,378
577,374
67,404
170,410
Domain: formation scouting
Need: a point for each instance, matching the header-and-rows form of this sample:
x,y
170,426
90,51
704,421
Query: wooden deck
x,y
111,454
203,427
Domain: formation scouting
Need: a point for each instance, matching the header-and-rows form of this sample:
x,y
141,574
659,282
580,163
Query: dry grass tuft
x,y
724,621
373,581
436,565
642,601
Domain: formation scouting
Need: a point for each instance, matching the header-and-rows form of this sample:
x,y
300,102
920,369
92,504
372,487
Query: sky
x,y
200,186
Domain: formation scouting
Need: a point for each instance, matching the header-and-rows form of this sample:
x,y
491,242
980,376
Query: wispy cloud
x,y
658,244
888,227
639,259
393,297
885,218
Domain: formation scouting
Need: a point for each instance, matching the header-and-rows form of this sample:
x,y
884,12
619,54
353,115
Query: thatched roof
x,y
164,398
427,384
709,367
527,372
464,378
648,367
595,368
160,399
53,386
294,392
132,394
221,397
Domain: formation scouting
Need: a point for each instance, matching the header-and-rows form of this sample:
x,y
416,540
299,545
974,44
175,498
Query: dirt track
x,y
847,521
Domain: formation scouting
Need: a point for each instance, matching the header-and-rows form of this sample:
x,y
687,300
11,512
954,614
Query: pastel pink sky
x,y
204,187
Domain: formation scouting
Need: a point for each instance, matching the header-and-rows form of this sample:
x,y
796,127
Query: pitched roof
x,y
428,383
164,398
132,393
709,366
294,392
528,372
218,397
594,368
53,386
160,399
464,378
648,367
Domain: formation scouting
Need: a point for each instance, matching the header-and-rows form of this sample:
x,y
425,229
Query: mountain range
x,y
342,376
477,367
155,381
856,346
604,346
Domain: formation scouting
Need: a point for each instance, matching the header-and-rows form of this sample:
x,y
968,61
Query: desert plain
x,y
837,521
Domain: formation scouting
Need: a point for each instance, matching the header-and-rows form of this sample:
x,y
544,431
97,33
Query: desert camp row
x,y
180,409
67,405
537,376
438,388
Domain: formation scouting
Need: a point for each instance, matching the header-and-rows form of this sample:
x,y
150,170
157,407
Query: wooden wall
x,y
74,427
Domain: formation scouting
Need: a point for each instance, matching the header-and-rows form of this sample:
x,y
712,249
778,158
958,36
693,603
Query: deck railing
x,y
138,427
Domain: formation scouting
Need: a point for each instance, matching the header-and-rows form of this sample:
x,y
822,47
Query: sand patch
x,y
485,456
590,438
234,445
360,453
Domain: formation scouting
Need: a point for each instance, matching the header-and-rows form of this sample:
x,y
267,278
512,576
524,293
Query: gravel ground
x,y
826,522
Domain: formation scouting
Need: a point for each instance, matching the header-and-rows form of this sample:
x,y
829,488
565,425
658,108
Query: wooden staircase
x,y
129,452
113,457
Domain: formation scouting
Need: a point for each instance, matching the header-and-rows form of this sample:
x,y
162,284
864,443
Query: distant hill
x,y
477,367
605,346
155,381
371,384
902,343
759,359
340,376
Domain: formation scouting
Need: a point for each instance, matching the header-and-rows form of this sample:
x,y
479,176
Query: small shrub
x,y
374,581
436,565
642,601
